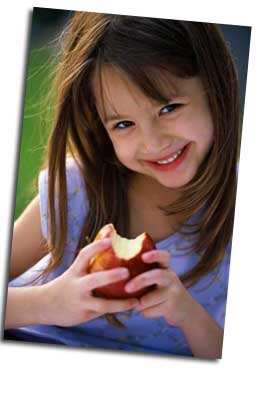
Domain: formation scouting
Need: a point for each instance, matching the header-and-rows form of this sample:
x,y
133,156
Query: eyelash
x,y
123,122
174,107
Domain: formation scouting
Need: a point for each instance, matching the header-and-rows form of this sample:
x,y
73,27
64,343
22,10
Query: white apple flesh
x,y
125,253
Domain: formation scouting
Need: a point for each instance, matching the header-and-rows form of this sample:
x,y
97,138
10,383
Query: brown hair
x,y
140,47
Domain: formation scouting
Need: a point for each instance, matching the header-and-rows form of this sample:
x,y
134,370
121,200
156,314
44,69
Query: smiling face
x,y
166,142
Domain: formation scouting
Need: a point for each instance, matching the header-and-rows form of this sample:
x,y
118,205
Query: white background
x,y
39,371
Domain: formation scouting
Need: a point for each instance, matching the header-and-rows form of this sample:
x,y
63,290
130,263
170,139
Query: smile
x,y
170,159
170,162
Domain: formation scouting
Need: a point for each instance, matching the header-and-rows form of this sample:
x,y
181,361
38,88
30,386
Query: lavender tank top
x,y
141,334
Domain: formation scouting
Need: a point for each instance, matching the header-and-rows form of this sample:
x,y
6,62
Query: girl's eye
x,y
123,125
169,108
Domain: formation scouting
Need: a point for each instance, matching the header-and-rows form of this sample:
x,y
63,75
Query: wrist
x,y
45,311
38,305
203,334
24,307
186,305
192,311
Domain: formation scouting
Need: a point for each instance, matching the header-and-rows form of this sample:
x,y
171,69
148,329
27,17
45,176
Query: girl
x,y
146,136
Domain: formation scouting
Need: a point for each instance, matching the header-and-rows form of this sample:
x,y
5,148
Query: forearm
x,y
203,334
24,306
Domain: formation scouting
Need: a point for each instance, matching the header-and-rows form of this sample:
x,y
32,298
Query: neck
x,y
145,188
145,196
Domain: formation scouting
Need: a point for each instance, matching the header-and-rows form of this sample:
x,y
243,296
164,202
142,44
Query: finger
x,y
105,306
82,260
156,276
160,256
152,299
102,278
154,311
89,314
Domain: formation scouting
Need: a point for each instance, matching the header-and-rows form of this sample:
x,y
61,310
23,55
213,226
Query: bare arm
x,y
28,247
28,244
173,301
24,306
203,334
68,299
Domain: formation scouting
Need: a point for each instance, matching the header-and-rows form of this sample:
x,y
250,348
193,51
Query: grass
x,y
35,126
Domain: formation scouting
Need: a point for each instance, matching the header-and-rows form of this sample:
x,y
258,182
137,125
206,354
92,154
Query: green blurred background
x,y
44,47
46,27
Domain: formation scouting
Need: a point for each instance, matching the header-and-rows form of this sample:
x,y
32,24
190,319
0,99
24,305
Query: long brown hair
x,y
140,47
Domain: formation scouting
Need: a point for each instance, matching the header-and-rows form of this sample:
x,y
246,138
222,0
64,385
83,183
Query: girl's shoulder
x,y
77,201
74,178
73,174
76,192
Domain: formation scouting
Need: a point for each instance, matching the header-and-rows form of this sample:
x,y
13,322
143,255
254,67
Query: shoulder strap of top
x,y
76,195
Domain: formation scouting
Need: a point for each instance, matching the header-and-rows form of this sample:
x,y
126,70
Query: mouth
x,y
170,161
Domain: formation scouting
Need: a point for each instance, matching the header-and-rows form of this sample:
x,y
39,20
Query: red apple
x,y
122,253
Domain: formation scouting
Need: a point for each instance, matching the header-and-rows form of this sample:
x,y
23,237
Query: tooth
x,y
171,159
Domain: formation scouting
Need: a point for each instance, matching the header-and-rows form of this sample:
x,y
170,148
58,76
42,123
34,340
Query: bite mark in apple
x,y
125,253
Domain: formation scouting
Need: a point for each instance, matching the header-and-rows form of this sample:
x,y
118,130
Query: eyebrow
x,y
113,117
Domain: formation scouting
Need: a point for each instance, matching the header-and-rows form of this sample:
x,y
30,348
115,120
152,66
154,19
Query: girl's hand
x,y
170,299
68,299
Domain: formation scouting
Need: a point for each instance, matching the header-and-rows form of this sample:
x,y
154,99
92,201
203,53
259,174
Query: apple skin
x,y
108,260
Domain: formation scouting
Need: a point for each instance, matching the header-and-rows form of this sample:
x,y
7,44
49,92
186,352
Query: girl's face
x,y
165,142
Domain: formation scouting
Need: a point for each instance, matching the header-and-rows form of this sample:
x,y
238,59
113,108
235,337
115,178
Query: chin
x,y
175,183
125,253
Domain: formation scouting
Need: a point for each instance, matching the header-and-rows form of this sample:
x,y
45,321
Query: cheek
x,y
207,127
202,131
123,151
205,141
208,136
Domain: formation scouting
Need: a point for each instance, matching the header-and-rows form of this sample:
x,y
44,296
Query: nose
x,y
154,141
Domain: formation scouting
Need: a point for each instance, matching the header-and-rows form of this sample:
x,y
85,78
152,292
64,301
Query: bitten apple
x,y
122,253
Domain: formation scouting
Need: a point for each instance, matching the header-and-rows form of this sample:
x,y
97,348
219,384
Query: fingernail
x,y
106,241
129,288
124,272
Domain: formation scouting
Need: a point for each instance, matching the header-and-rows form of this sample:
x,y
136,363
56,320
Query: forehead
x,y
110,84
114,90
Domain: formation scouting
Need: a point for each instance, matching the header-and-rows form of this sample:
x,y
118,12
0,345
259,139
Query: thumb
x,y
88,252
